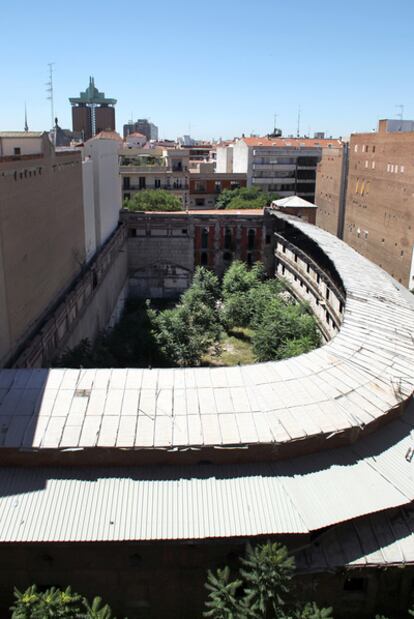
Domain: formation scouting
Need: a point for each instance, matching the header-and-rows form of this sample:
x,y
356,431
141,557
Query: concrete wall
x,y
106,185
224,159
89,208
241,159
27,145
93,302
329,181
42,238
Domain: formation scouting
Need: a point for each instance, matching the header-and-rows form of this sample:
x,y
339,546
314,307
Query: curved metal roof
x,y
364,373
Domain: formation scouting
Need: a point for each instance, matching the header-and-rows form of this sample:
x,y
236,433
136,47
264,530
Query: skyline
x,y
345,66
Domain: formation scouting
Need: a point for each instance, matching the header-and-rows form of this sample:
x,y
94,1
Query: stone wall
x,y
92,301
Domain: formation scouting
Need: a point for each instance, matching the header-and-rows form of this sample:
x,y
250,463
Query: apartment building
x,y
42,231
330,193
206,185
144,126
286,166
378,210
379,214
155,168
92,112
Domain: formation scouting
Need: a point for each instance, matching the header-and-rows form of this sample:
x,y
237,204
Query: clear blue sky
x,y
222,67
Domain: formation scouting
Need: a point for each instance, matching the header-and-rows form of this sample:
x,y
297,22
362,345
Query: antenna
x,y
274,121
298,129
49,90
26,126
401,114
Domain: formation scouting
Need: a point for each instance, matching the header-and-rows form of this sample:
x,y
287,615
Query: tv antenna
x,y
401,113
49,90
298,128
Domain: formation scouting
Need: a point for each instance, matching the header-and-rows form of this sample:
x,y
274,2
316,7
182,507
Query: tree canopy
x,y
153,200
244,198
261,589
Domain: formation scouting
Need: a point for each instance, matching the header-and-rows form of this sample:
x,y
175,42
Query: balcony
x,y
286,167
273,180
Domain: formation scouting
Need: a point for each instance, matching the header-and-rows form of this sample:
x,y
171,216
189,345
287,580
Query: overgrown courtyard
x,y
245,318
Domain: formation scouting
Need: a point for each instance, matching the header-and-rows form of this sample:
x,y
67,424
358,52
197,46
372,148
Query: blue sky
x,y
221,67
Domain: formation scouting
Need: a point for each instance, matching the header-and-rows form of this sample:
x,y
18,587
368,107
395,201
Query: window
x,y
396,169
227,256
217,186
142,182
204,259
200,202
127,196
127,182
357,185
17,151
373,165
356,148
249,259
251,238
366,163
268,239
227,239
157,183
366,234
204,238
402,169
373,149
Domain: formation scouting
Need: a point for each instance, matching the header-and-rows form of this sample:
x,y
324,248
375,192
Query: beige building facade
x,y
155,168
42,231
330,191
379,215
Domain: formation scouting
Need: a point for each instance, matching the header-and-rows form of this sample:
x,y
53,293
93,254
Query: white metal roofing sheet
x,y
205,501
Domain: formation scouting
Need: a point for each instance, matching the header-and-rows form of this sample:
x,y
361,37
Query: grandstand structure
x,y
135,475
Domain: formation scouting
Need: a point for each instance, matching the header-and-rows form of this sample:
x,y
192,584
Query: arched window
x,y
204,238
227,238
251,237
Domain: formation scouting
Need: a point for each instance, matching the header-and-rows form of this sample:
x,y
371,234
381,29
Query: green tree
x,y
262,589
153,200
244,198
222,602
239,284
56,603
53,603
184,334
281,323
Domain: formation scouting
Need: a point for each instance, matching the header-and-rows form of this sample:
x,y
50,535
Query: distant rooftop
x,y
108,135
92,96
21,134
293,202
295,142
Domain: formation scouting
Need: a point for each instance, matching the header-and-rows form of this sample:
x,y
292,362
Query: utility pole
x,y
298,128
49,90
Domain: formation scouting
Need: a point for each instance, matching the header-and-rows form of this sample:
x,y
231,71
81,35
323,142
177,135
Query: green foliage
x,y
98,610
184,334
284,329
153,200
222,600
239,284
244,198
55,603
267,572
262,589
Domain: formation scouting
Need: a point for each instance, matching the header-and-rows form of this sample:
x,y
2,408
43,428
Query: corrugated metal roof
x,y
210,501
382,539
358,377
